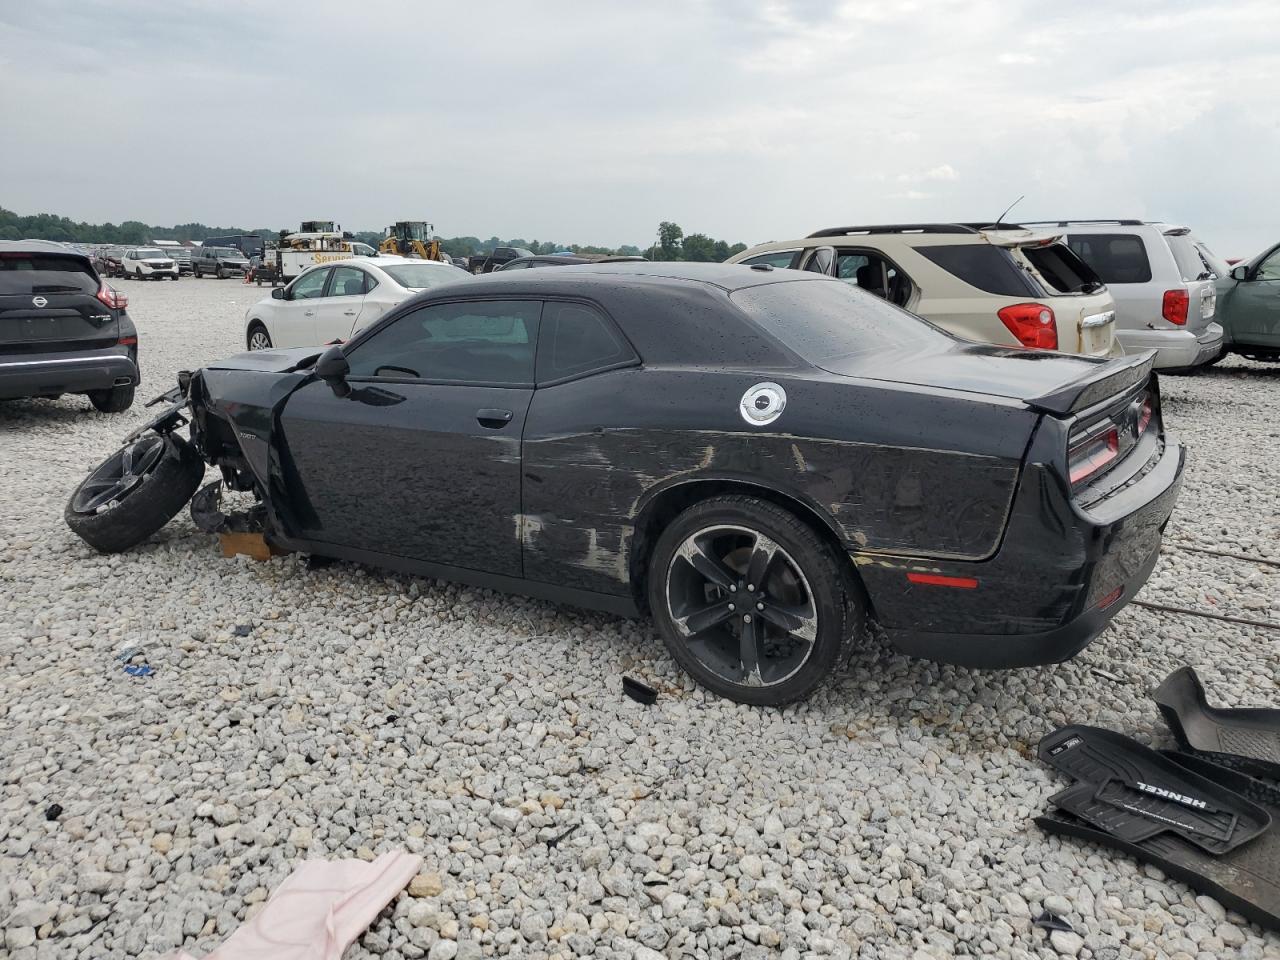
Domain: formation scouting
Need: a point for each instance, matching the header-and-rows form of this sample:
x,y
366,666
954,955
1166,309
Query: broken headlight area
x,y
207,512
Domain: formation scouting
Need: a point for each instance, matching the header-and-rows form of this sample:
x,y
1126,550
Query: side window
x,y
577,339
517,265
1269,269
347,282
309,286
369,282
874,274
779,259
473,341
1115,257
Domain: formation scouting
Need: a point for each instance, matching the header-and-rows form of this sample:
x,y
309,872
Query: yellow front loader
x,y
412,238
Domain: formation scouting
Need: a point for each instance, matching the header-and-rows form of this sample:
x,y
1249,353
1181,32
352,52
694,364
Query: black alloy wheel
x,y
752,602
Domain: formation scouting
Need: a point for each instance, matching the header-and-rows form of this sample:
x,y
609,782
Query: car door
x,y
339,310
295,316
1252,311
421,459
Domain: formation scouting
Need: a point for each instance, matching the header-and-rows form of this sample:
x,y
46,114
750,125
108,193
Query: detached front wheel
x,y
752,601
134,492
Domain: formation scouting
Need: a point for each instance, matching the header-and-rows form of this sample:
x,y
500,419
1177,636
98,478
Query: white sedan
x,y
331,301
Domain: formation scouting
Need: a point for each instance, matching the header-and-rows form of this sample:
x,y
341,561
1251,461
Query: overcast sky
x,y
589,122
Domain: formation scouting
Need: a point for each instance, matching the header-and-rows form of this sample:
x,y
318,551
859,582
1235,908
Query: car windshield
x,y
228,252
827,321
149,254
420,276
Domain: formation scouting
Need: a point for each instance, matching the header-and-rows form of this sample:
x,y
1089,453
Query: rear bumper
x,y
36,375
1175,349
1059,577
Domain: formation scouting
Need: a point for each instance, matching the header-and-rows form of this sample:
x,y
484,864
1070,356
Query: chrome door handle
x,y
308,313
348,313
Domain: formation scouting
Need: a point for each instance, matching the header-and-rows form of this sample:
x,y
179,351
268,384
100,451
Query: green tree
x,y
669,241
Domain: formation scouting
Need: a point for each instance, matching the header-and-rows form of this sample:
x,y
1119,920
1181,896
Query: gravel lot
x,y
888,817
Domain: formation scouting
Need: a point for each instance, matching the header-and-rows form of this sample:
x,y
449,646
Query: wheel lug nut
x,y
759,606
746,618
751,586
733,588
732,607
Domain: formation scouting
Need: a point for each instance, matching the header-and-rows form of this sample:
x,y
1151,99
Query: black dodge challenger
x,y
761,460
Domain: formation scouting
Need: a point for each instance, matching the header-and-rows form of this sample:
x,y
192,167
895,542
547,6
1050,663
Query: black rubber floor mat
x,y
1247,740
1246,879
1135,793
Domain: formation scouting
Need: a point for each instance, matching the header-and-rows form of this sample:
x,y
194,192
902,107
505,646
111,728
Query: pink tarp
x,y
319,909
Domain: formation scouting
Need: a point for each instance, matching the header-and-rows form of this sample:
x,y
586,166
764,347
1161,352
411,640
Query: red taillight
x,y
1144,418
110,298
936,580
128,341
1110,598
1032,324
1089,456
1176,303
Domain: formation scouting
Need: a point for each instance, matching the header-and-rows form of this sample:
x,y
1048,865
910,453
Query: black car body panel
x,y
954,472
56,335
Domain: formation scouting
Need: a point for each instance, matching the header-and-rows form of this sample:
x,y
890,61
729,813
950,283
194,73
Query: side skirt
x,y
569,596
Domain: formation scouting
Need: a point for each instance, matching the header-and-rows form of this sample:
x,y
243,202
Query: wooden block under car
x,y
250,544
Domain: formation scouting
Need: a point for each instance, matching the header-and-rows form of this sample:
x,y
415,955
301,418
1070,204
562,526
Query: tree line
x,y
671,242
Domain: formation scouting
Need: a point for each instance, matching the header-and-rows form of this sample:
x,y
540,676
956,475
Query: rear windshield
x,y
825,321
418,276
1061,269
1190,264
1115,257
27,273
983,266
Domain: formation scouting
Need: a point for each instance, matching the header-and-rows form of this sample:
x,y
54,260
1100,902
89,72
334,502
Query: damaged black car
x,y
763,461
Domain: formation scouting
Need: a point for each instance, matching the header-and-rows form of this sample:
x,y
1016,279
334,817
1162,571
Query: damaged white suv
x,y
993,284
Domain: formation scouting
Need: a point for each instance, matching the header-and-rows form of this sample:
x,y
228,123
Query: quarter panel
x,y
889,468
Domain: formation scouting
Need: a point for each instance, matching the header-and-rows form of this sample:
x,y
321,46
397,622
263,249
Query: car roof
x,y
726,276
41,246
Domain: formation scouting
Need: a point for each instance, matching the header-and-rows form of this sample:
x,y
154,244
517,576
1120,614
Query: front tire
x,y
258,338
752,602
222,274
113,399
134,492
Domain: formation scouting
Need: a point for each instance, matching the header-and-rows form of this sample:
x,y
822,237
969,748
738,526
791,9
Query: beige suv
x,y
996,284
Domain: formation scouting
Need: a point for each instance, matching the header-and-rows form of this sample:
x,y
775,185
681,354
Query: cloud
x,y
744,121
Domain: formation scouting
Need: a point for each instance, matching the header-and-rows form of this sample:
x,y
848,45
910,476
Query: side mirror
x,y
823,261
277,293
1240,272
332,368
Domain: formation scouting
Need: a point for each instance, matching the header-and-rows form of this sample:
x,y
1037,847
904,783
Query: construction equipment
x,y
412,238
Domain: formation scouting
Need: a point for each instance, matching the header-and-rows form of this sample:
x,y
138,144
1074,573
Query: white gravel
x,y
889,817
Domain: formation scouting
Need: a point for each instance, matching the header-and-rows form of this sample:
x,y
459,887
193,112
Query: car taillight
x,y
1176,303
1144,417
128,341
1032,324
1092,454
112,299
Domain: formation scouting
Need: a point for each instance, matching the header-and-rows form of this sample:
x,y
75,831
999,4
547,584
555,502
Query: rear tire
x,y
167,479
112,400
195,272
804,616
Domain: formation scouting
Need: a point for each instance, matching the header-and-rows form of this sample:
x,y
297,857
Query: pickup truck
x,y
222,262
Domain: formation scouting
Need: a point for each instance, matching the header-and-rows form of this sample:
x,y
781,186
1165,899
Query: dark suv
x,y
62,328
222,262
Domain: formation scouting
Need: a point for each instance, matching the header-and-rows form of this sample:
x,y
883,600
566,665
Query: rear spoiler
x,y
1110,378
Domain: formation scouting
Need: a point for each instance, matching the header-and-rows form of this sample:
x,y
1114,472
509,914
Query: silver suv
x,y
1163,282
993,284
